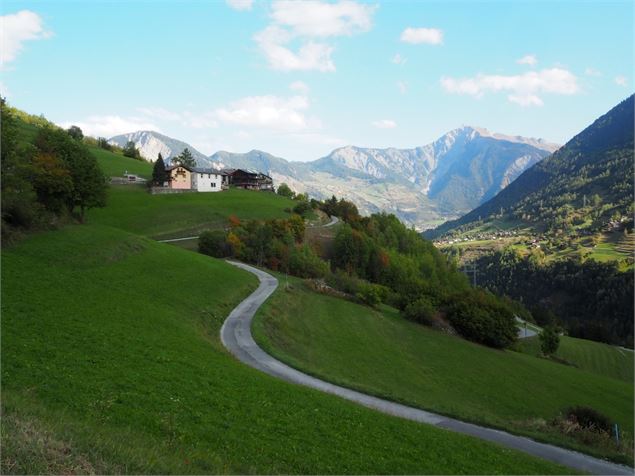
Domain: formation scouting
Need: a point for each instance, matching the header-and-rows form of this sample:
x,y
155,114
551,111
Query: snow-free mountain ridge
x,y
423,186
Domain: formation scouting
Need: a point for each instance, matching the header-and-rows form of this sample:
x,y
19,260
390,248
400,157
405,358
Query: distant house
x,y
249,179
180,177
206,180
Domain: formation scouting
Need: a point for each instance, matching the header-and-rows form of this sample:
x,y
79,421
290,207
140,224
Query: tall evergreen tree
x,y
159,174
186,158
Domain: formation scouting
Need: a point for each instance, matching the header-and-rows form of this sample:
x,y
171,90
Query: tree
x,y
159,174
549,340
52,181
130,150
185,159
19,203
89,183
285,191
75,132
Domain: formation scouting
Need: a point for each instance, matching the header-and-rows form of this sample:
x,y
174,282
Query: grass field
x,y
114,165
383,354
112,364
132,209
596,357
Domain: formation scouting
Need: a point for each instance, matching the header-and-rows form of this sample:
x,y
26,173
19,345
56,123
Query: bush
x,y
549,340
302,208
214,243
304,263
480,317
371,294
421,311
589,418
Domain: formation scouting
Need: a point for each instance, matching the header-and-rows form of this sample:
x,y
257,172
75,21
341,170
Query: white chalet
x,y
206,180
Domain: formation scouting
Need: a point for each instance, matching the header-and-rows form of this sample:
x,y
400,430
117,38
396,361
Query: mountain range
x,y
423,186
590,176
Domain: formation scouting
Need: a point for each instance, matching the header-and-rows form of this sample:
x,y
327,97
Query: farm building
x,y
206,180
249,179
180,177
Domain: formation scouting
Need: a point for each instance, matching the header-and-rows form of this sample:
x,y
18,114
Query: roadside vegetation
x,y
379,352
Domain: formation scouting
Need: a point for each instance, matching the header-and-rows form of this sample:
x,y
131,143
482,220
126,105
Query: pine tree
x,y
159,174
186,158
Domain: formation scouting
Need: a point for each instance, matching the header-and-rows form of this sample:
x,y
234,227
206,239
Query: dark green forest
x,y
588,299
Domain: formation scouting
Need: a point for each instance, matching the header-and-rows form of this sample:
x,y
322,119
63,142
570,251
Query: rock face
x,y
151,143
423,186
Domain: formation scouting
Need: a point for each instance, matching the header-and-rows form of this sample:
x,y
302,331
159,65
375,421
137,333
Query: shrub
x,y
302,208
214,243
304,263
549,340
480,317
589,418
421,311
371,294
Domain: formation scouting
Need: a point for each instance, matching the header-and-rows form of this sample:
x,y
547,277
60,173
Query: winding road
x,y
236,337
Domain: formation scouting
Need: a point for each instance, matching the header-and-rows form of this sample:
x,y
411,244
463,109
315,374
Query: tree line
x,y
52,178
589,299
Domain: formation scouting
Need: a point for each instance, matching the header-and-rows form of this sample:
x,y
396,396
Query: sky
x,y
300,78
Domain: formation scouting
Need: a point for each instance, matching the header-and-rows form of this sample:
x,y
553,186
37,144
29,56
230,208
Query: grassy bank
x,y
112,363
596,357
380,353
132,209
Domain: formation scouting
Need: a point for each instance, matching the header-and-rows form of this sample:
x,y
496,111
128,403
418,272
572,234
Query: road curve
x,y
236,337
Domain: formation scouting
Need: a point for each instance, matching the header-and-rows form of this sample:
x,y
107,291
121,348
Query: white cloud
x,y
523,89
384,124
592,72
313,18
431,36
402,86
398,59
108,126
300,87
187,119
271,112
530,60
620,80
240,4
16,29
311,56
306,21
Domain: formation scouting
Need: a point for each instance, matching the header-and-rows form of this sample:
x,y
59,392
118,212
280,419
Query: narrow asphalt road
x,y
236,337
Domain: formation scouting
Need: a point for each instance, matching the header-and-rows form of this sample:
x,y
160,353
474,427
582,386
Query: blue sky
x,y
298,79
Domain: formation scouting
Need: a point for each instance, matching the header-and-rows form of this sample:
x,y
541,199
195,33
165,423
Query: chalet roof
x,y
172,167
202,170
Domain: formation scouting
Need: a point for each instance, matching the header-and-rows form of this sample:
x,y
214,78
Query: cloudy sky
x,y
298,79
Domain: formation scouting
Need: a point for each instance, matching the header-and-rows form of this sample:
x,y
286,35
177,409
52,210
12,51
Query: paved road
x,y
523,330
236,337
333,221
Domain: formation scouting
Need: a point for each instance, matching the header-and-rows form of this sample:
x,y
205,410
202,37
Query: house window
x,y
201,175
213,185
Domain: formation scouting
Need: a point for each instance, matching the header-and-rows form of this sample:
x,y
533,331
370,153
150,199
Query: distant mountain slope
x,y
423,186
595,166
151,143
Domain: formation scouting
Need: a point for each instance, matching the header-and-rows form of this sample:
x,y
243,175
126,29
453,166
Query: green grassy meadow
x,y
114,165
596,357
378,352
112,363
133,209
